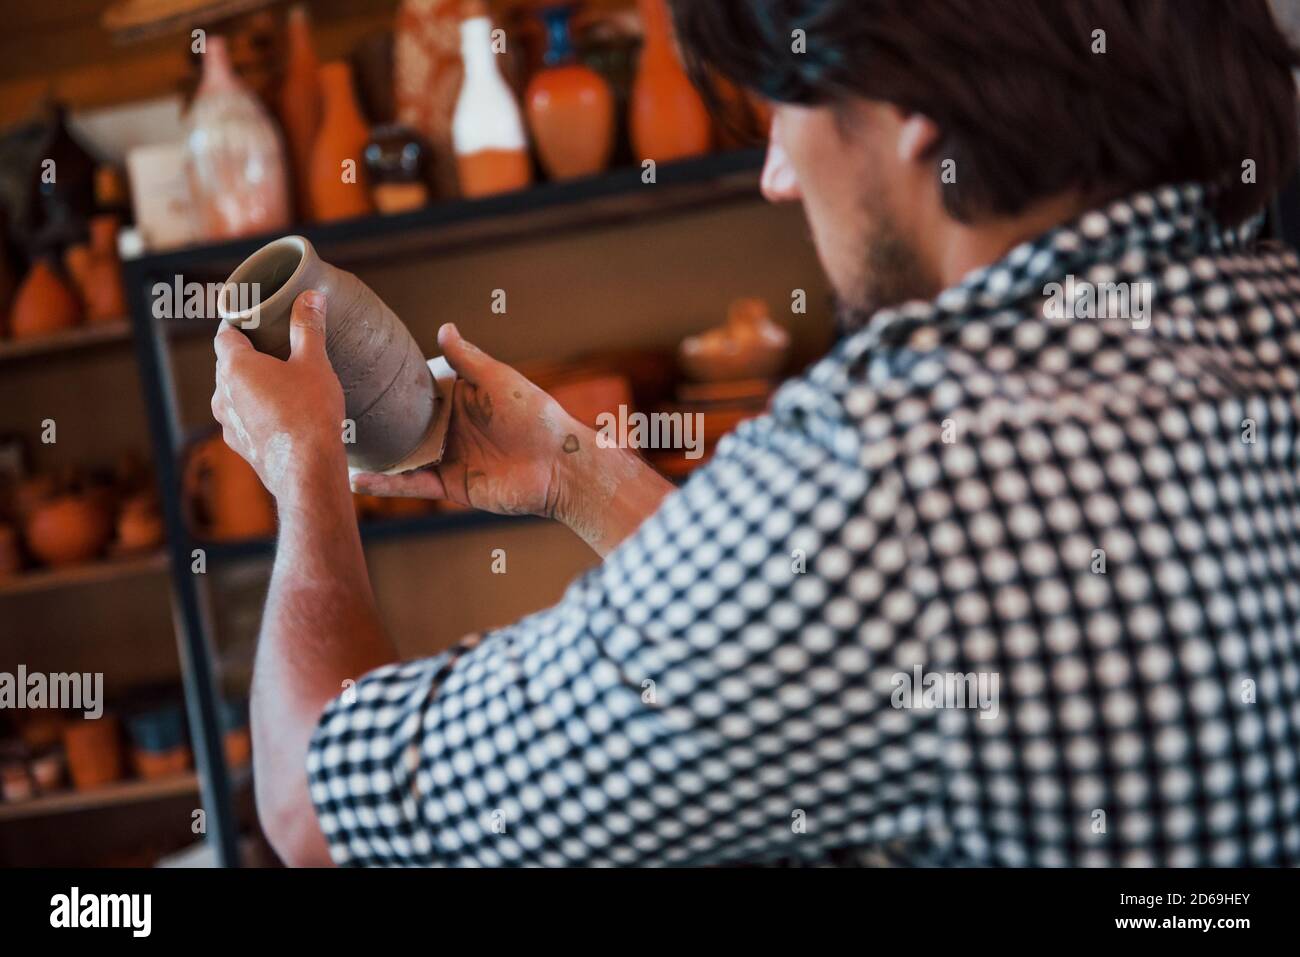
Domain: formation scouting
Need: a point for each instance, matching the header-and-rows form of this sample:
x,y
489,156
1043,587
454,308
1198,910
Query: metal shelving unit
x,y
544,211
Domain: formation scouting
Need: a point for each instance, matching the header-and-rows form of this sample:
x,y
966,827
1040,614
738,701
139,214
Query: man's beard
x,y
893,274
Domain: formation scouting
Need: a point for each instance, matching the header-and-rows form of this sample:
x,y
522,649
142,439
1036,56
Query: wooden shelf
x,y
543,210
82,337
111,795
91,573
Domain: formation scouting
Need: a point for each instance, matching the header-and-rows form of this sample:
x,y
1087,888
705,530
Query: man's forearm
x,y
320,628
606,493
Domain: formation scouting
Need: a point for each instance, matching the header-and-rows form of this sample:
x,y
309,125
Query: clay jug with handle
x,y
339,186
398,419
669,120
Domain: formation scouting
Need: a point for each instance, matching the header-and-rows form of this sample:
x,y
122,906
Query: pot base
x,y
431,447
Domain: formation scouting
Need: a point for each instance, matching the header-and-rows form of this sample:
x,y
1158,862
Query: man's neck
x,y
964,247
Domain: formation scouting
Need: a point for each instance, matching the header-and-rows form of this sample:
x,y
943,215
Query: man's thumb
x,y
307,326
470,362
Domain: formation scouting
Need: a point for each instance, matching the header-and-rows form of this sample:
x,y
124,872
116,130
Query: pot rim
x,y
299,244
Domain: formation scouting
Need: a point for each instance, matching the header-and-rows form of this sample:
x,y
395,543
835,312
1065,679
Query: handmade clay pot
x,y
300,106
158,745
94,749
235,161
669,120
44,304
68,529
388,388
339,186
570,108
234,500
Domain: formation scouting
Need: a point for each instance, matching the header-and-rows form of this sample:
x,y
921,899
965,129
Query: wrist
x,y
304,471
605,494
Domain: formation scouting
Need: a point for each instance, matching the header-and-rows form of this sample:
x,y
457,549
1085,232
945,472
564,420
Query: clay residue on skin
x,y
571,444
237,424
279,453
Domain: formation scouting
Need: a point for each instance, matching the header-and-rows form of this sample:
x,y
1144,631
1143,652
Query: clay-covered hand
x,y
506,448
284,417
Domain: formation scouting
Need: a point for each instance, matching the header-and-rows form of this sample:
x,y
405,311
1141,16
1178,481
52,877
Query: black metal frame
x,y
679,188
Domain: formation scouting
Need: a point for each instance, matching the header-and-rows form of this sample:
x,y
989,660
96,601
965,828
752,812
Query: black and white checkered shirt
x,y
999,581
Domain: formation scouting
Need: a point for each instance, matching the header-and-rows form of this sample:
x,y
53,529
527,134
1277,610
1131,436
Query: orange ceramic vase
x,y
570,108
237,504
101,288
300,106
669,120
339,188
44,304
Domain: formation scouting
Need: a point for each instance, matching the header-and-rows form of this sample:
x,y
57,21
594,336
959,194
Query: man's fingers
x,y
422,484
470,362
229,341
307,327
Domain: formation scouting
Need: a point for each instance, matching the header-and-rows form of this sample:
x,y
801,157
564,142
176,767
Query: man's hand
x,y
513,450
281,416
506,447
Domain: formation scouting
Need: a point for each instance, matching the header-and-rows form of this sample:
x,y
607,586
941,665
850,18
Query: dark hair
x,y
1186,90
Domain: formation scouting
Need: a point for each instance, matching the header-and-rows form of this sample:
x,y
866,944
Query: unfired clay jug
x,y
392,395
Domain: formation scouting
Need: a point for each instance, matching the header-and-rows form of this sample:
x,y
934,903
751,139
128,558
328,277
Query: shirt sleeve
x,y
717,691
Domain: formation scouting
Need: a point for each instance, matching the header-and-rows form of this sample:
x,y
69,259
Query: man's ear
x,y
917,137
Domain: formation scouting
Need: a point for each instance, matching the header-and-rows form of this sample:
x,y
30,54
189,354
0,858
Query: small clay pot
x,y
388,389
68,530
139,524
94,749
234,502
44,304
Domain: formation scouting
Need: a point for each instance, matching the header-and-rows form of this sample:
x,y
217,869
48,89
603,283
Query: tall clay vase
x,y
487,128
669,119
389,391
235,159
299,106
339,186
44,304
570,107
427,75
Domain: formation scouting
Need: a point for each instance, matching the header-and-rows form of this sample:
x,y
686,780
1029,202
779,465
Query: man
x,y
1011,576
